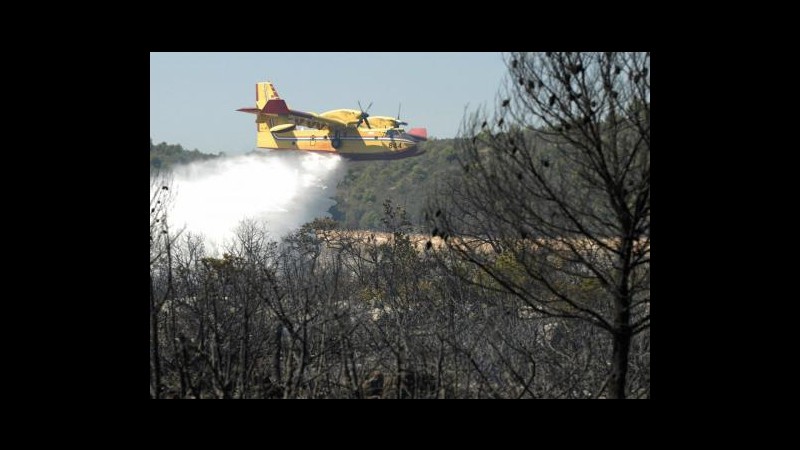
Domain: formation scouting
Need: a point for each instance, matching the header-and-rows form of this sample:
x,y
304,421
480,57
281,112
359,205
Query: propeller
x,y
363,116
399,123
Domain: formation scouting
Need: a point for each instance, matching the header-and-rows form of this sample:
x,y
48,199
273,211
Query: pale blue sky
x,y
193,96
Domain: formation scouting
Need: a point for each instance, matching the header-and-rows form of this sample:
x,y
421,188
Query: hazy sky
x,y
193,96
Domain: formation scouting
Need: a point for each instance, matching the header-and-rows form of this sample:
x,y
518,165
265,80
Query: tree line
x,y
164,156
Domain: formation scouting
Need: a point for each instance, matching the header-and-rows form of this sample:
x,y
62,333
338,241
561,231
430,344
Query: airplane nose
x,y
419,134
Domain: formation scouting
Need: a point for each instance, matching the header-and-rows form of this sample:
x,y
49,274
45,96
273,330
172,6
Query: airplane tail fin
x,y
265,91
267,100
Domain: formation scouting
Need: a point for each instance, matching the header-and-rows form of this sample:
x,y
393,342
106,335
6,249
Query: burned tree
x,y
554,203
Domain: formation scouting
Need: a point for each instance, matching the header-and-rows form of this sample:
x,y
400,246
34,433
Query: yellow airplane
x,y
338,131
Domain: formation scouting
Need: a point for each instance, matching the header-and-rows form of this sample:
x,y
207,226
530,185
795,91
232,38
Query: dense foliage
x,y
407,182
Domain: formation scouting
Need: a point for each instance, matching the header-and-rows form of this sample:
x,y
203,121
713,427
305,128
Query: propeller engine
x,y
399,122
364,115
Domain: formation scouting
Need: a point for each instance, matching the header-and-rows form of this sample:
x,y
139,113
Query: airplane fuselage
x,y
350,143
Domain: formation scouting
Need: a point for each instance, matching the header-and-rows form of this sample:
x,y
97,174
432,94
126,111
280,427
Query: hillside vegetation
x,y
164,156
367,184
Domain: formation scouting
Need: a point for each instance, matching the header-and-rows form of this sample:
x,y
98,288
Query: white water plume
x,y
282,189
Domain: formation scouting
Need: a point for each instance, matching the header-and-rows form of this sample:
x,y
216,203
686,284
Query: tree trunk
x,y
243,354
622,305
622,329
155,360
619,364
276,360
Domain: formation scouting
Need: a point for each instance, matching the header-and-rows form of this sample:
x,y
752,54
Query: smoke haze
x,y
285,190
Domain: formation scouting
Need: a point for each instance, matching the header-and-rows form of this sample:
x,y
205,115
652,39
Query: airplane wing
x,y
312,120
249,110
277,107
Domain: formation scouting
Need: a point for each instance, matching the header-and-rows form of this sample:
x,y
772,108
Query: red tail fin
x,y
275,106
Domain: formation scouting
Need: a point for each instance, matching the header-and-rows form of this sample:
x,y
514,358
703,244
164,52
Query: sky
x,y
193,96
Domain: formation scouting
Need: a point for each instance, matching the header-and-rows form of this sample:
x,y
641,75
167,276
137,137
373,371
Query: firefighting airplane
x,y
338,131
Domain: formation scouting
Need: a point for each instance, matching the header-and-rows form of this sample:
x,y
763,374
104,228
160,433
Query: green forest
x,y
407,182
530,278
